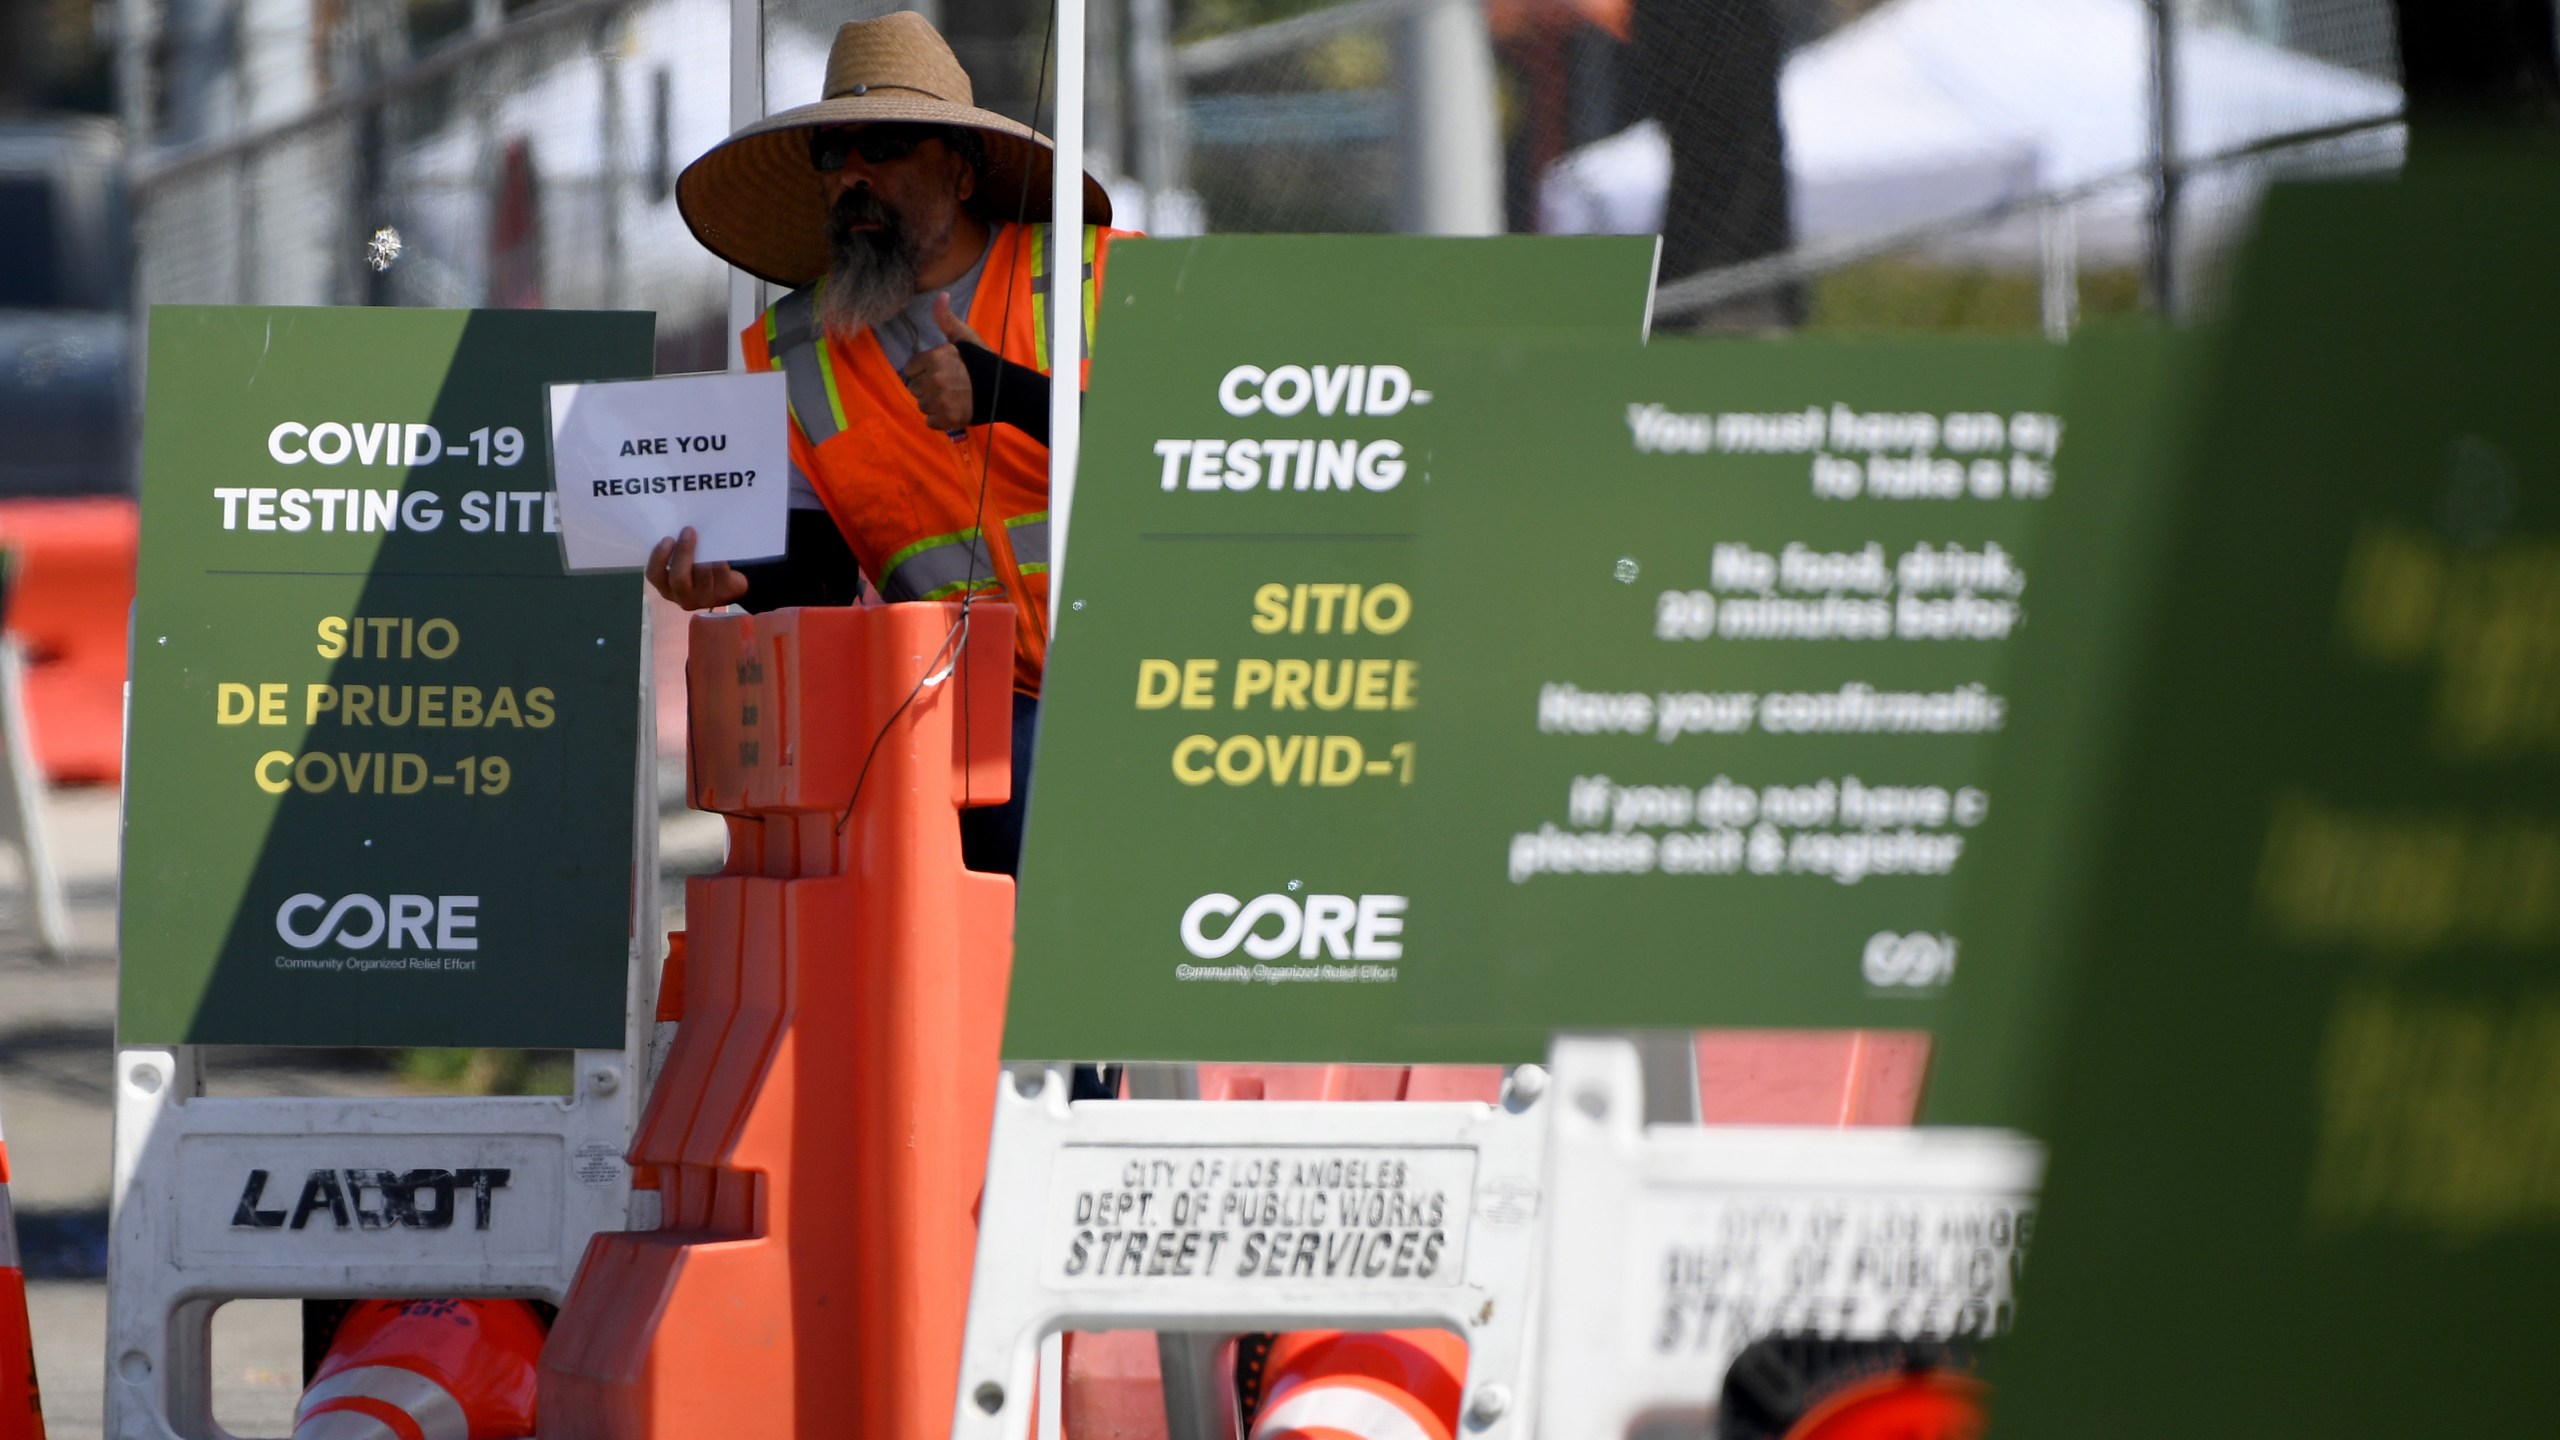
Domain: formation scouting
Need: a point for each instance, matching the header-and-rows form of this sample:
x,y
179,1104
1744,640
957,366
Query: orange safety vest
x,y
907,496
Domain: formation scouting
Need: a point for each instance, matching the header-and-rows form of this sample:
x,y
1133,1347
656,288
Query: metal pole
x,y
134,36
2164,157
609,158
1066,313
134,26
1452,172
1109,137
2058,232
244,233
1194,1402
1155,104
746,104
367,210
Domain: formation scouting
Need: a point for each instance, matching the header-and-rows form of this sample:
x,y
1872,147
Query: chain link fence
x,y
1886,164
529,164
1841,164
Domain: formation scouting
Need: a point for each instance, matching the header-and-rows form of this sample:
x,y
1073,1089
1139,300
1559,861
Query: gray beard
x,y
864,287
874,275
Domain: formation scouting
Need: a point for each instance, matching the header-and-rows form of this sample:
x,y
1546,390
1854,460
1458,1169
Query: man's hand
x,y
672,573
936,377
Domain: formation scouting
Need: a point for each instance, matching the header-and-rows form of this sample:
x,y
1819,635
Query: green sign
x,y
1252,452
1719,660
382,752
2069,676
2303,1107
1632,686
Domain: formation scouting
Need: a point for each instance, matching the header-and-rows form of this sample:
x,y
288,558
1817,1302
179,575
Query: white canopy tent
x,y
1932,109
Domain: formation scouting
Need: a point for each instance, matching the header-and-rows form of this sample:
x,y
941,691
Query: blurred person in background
x,y
915,349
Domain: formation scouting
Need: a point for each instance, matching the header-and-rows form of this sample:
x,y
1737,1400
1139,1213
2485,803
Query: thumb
x,y
948,321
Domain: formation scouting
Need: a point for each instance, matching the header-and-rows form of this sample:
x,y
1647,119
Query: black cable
x,y
959,630
995,394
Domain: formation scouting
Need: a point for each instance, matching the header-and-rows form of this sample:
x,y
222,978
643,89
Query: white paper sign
x,y
635,461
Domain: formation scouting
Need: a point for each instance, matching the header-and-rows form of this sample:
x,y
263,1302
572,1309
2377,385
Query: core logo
x,y
1342,927
360,922
407,1199
1916,961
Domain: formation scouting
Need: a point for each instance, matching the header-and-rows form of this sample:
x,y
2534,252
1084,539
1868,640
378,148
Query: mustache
x,y
874,271
862,207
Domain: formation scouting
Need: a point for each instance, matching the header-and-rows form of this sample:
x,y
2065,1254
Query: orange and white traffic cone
x,y
1343,1385
21,1408
1915,1405
426,1370
1337,1385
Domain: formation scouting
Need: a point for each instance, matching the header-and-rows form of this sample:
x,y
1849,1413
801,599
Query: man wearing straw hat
x,y
896,208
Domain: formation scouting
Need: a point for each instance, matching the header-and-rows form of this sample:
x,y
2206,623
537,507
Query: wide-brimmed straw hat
x,y
755,201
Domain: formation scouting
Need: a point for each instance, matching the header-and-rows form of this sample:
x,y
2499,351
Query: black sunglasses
x,y
833,145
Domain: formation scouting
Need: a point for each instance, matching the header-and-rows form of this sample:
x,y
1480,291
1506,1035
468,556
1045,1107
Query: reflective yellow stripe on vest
x,y
938,567
1030,537
793,345
789,324
1041,267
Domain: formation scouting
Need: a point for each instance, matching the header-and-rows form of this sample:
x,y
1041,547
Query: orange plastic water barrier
x,y
71,587
21,1407
1114,1384
819,1131
1811,1077
1220,1081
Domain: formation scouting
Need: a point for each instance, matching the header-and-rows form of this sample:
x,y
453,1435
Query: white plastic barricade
x,y
1178,1215
1670,1248
222,1198
48,915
